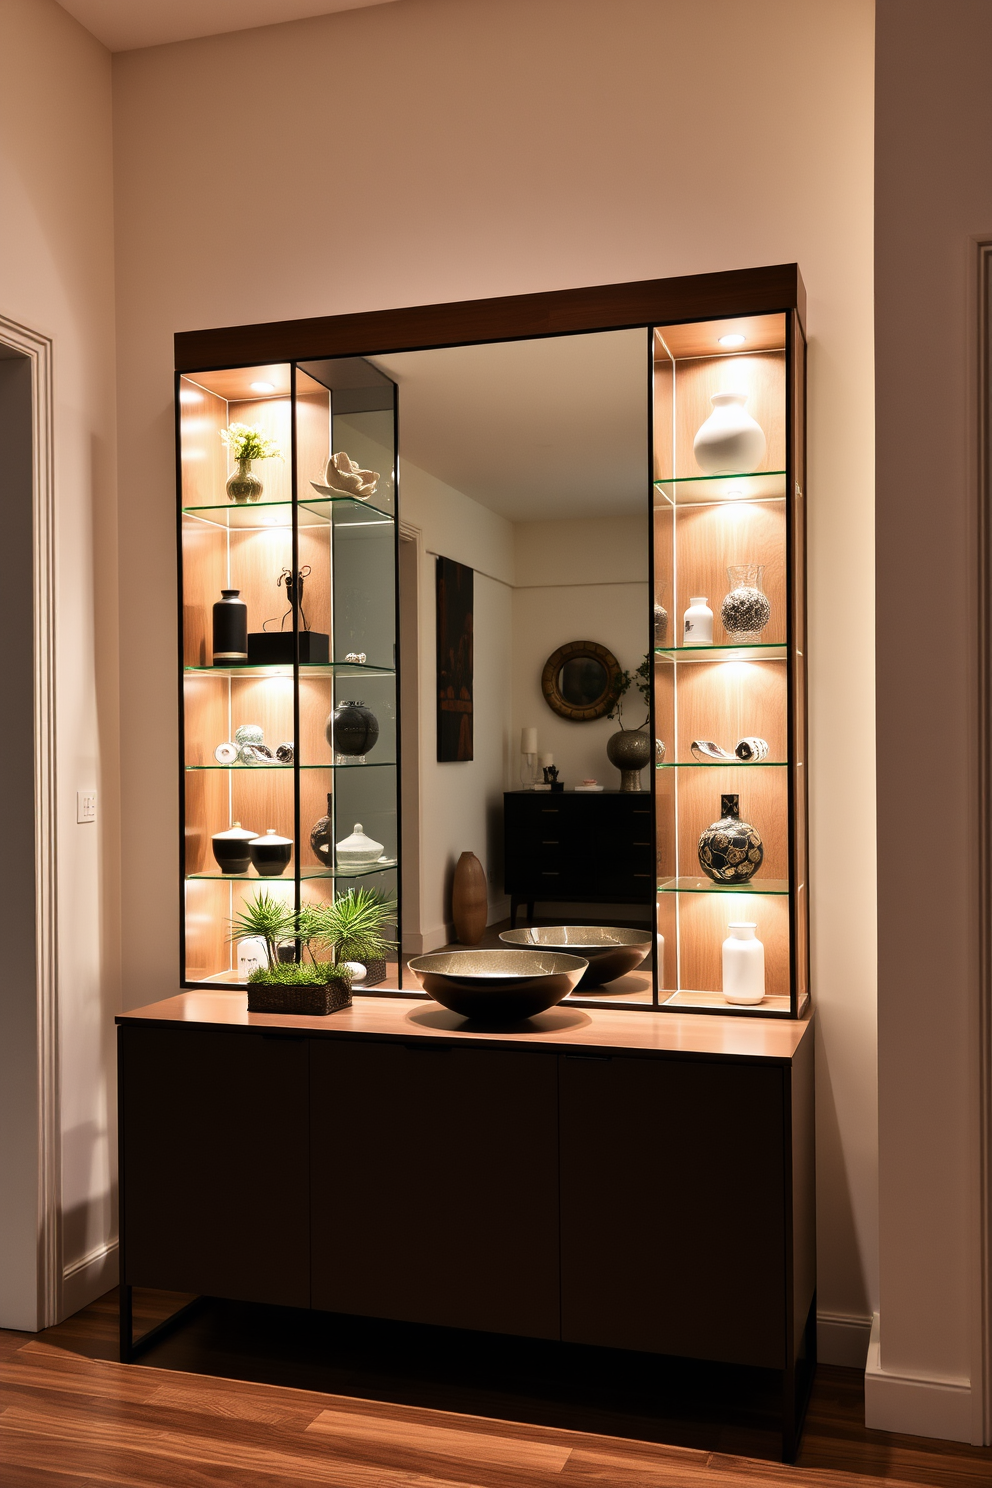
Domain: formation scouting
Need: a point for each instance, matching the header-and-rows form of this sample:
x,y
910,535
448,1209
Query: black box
x,y
275,647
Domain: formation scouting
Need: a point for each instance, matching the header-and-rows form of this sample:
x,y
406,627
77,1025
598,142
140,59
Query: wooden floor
x,y
71,1416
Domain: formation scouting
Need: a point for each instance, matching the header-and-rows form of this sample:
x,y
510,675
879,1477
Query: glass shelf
x,y
265,769
315,511
764,651
284,669
383,866
706,490
707,886
734,764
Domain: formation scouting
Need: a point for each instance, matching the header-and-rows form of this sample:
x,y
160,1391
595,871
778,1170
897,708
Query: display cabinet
x,y
288,645
729,697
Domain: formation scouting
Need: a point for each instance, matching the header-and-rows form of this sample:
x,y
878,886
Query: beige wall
x,y
434,150
56,278
934,198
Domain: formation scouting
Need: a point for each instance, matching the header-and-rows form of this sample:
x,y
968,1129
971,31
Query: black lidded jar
x,y
230,629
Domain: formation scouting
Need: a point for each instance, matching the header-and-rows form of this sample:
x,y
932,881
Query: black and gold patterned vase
x,y
730,851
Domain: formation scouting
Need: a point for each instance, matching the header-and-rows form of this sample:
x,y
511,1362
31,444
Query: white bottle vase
x,y
743,965
730,442
697,623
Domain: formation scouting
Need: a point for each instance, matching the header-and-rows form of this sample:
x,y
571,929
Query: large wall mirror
x,y
528,462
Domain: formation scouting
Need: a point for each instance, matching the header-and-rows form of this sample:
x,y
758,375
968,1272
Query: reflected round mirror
x,y
579,681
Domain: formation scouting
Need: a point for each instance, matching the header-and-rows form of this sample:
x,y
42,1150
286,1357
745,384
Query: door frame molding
x,y
983,1114
39,349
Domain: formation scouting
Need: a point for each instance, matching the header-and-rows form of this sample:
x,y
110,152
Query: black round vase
x,y
352,729
230,629
320,838
730,850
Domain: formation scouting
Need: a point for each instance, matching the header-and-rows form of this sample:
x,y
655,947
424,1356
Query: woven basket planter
x,y
375,971
266,997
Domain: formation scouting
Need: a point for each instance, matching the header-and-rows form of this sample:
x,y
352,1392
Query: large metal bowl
x,y
498,986
610,951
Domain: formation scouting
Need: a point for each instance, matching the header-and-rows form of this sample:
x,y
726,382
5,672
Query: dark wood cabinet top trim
x,y
564,1030
765,290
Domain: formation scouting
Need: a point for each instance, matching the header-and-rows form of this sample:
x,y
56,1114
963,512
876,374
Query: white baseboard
x,y
88,1278
914,1404
842,1338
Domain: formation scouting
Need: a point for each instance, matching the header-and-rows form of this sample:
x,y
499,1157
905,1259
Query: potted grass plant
x,y
329,940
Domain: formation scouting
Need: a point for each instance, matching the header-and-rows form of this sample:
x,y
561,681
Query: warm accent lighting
x,y
733,340
270,387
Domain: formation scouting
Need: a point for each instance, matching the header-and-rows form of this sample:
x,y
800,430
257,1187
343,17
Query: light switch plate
x,y
86,806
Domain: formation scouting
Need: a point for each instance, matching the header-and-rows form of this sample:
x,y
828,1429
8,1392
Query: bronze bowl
x,y
611,952
498,986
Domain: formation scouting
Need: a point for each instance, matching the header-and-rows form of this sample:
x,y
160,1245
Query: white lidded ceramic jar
x,y
357,850
730,442
697,623
743,965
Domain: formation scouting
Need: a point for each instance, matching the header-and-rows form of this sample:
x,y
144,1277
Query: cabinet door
x,y
215,1155
672,1207
435,1185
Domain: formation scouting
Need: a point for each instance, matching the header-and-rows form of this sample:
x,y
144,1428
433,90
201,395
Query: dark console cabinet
x,y
582,847
435,1185
596,1177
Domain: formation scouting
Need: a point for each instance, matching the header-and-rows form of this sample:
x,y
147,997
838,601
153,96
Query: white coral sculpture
x,y
346,475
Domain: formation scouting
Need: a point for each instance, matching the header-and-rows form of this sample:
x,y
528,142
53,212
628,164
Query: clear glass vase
x,y
746,611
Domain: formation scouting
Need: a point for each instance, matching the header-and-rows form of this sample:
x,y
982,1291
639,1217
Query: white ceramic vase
x,y
697,623
731,441
358,850
743,965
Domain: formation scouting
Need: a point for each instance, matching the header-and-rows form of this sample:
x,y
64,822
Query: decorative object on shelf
x,y
730,850
307,990
580,681
660,624
745,612
249,733
454,586
498,986
320,835
231,849
659,751
256,754
343,476
697,623
611,952
358,970
230,629
751,751
279,647
226,754
265,918
251,956
743,964
352,730
551,778
730,442
629,750
357,850
528,758
270,853
356,658
285,753
469,900
705,749
245,443
589,785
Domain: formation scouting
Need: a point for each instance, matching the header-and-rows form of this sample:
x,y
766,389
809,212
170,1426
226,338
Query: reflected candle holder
x,y
746,611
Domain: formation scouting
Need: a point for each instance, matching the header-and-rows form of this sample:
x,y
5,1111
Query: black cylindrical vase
x,y
230,629
352,729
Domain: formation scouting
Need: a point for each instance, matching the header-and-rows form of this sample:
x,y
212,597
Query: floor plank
x,y
424,1446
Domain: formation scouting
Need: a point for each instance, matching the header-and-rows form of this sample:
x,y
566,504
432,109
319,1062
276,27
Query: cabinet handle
x,y
597,1058
549,810
640,875
553,842
640,844
553,873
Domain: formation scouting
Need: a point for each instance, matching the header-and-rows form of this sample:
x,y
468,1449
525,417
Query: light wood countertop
x,y
564,1029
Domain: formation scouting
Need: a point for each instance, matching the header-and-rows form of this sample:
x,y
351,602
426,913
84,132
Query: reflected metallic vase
x,y
745,612
730,850
352,730
630,750
660,624
243,486
321,840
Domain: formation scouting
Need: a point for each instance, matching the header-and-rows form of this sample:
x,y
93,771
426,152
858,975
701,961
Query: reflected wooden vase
x,y
469,900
